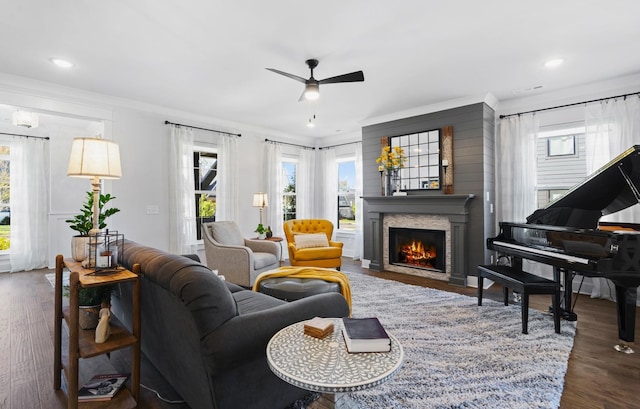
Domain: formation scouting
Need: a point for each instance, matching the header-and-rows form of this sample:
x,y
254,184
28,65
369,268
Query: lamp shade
x,y
260,200
94,157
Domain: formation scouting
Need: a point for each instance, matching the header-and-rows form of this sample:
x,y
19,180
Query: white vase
x,y
79,248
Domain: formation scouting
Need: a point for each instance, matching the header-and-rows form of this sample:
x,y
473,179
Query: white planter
x,y
79,247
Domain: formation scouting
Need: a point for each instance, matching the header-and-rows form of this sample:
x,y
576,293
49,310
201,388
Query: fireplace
x,y
418,248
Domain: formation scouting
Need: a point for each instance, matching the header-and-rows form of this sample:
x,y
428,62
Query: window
x,y
561,161
205,172
347,195
289,169
5,203
561,145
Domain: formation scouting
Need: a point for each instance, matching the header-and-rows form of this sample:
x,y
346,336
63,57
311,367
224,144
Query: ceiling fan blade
x,y
286,74
351,77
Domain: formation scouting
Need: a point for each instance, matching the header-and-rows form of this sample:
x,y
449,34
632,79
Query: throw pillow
x,y
304,241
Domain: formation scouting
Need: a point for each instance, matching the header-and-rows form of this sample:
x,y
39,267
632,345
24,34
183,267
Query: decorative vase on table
x,y
388,183
390,161
79,249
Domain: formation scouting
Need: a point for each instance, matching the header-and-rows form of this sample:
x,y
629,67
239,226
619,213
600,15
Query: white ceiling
x,y
209,57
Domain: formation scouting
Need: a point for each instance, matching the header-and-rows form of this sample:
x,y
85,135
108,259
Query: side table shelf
x,y
82,343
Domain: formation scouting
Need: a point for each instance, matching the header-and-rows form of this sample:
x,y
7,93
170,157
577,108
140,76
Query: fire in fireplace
x,y
417,248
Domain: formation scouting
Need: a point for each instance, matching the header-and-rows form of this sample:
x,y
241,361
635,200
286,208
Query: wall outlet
x,y
153,209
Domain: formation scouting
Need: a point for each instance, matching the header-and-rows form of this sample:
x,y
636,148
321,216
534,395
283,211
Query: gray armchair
x,y
240,260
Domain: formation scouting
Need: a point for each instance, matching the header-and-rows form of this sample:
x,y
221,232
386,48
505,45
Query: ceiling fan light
x,y
311,92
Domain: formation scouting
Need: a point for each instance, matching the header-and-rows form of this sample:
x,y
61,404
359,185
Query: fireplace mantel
x,y
454,207
440,205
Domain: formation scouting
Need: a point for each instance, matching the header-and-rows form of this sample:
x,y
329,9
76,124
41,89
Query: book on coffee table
x,y
365,335
318,327
101,387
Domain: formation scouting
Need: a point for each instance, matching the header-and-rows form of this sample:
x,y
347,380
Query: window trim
x,y
205,148
343,159
295,161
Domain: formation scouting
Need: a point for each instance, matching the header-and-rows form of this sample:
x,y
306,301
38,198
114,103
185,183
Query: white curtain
x,y
516,168
358,242
227,196
305,186
29,203
273,188
182,219
330,179
612,126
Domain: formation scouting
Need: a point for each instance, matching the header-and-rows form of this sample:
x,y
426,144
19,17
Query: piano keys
x,y
565,235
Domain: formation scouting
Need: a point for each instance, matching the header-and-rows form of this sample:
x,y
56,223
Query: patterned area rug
x,y
459,355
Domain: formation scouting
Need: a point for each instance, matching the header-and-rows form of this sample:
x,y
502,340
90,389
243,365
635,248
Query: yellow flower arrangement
x,y
391,159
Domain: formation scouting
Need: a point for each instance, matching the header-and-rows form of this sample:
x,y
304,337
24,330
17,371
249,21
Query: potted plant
x,y
90,301
83,223
261,230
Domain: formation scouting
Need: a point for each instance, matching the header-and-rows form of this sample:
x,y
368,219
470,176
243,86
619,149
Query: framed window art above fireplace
x,y
422,170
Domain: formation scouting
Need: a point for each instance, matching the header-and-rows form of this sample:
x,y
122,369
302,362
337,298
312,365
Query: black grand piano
x,y
567,235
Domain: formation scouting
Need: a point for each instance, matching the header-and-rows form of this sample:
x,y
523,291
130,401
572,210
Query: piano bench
x,y
523,283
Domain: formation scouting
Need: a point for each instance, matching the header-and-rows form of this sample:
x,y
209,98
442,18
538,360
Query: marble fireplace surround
x,y
446,212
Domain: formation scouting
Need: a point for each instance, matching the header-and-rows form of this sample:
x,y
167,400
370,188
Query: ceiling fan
x,y
312,85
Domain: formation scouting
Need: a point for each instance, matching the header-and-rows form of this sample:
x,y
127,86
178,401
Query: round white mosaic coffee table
x,y
325,366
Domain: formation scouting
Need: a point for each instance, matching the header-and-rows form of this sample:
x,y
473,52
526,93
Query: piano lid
x,y
611,188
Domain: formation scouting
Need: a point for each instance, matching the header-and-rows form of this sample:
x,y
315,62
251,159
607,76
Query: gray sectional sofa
x,y
208,337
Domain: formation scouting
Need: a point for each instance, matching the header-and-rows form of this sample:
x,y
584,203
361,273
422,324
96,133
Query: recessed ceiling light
x,y
530,89
61,63
556,62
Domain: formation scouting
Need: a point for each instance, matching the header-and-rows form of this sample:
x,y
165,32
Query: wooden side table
x,y
82,342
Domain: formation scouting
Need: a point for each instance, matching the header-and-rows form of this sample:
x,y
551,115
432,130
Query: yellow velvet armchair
x,y
309,243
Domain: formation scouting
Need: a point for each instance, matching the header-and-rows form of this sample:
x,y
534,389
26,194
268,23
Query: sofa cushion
x,y
262,260
226,232
304,241
249,301
318,253
205,295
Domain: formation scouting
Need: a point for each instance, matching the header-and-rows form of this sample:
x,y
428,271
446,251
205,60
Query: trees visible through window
x,y
206,179
289,171
5,196
347,195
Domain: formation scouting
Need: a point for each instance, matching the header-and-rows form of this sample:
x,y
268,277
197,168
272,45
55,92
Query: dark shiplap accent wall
x,y
473,166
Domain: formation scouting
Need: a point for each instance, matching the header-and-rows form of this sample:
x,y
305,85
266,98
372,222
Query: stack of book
x,y
365,335
101,387
318,327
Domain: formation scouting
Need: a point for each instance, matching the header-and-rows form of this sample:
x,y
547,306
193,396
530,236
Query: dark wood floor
x,y
597,375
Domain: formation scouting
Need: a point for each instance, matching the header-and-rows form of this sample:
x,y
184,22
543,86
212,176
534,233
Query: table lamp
x,y
95,158
260,200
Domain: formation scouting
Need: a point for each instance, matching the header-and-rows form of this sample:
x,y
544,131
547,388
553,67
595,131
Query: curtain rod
x,y
203,129
26,136
340,144
291,144
570,105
